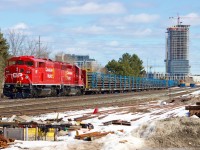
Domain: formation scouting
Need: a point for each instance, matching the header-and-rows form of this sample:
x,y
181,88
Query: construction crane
x,y
178,19
181,17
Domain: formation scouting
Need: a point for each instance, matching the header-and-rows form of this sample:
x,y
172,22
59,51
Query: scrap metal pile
x,y
194,110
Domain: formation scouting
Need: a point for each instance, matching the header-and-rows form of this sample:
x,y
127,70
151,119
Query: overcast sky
x,y
105,29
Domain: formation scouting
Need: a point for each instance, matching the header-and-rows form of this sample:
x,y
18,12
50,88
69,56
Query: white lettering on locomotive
x,y
50,76
69,73
17,75
49,69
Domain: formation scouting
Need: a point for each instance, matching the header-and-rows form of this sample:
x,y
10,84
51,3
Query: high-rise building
x,y
177,49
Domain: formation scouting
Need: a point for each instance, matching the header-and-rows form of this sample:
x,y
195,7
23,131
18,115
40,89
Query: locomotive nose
x,y
18,74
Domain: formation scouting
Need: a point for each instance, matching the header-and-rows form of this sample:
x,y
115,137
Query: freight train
x,y
27,76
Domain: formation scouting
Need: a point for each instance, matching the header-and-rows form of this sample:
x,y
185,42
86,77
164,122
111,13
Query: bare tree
x,y
31,47
20,44
43,52
34,49
16,40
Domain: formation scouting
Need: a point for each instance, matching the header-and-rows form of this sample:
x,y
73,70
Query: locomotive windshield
x,y
17,62
29,63
20,62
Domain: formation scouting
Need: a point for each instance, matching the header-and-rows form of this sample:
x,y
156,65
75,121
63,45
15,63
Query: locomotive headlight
x,y
7,71
26,77
28,71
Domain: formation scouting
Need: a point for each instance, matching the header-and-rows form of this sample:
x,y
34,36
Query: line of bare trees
x,y
22,44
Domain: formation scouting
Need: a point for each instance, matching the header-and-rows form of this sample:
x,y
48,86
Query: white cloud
x,y
134,32
93,8
141,18
89,30
20,26
130,19
113,43
191,19
142,32
22,3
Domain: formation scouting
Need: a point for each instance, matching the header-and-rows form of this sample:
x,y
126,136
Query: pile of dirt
x,y
172,133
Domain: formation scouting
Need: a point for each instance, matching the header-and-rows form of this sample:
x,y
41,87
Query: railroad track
x,y
59,104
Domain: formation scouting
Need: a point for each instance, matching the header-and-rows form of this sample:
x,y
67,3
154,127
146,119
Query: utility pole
x,y
147,68
39,47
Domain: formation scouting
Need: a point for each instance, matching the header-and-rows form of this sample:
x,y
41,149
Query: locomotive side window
x,y
41,64
29,63
63,67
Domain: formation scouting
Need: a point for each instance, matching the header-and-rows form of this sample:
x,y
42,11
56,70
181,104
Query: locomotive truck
x,y
27,76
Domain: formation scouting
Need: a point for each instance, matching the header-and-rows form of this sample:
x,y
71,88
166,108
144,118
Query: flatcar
x,y
27,76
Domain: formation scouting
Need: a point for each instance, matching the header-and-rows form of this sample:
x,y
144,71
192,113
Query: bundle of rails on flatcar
x,y
27,76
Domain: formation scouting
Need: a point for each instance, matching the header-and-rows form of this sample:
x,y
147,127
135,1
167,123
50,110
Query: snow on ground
x,y
157,111
108,142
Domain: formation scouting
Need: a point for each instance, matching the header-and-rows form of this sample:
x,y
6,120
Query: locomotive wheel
x,y
53,91
79,91
34,93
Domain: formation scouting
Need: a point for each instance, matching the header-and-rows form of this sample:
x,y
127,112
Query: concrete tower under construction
x,y
177,49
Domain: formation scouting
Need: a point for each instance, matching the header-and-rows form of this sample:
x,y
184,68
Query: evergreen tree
x,y
4,47
127,65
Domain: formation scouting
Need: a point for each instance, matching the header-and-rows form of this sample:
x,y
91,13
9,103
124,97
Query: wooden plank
x,y
197,103
93,134
192,107
117,122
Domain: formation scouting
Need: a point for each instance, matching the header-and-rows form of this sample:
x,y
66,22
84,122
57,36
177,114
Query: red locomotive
x,y
27,76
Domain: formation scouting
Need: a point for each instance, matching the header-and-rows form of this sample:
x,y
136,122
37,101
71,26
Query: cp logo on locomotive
x,y
17,75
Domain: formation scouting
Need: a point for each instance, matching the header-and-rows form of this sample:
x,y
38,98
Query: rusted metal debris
x,y
84,118
118,122
4,142
54,120
179,99
194,110
197,103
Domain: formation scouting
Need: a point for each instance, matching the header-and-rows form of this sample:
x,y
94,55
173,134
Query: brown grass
x,y
174,133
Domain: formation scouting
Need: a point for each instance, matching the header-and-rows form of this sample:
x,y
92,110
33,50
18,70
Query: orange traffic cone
x,y
96,111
